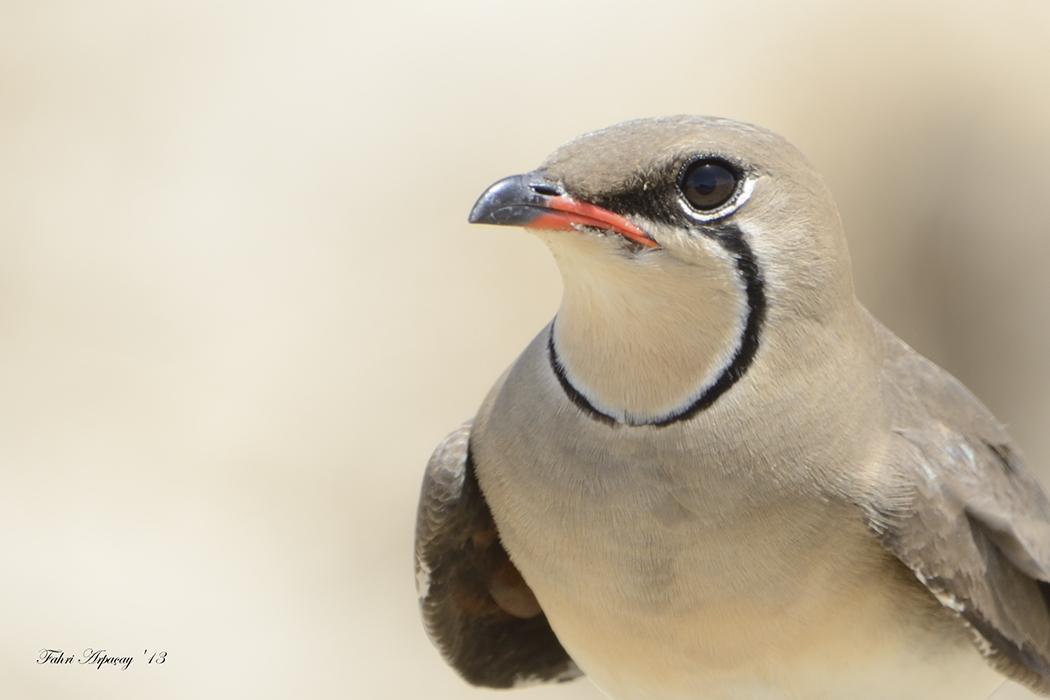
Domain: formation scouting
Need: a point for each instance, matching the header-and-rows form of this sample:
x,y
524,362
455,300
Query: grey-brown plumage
x,y
464,575
958,506
714,472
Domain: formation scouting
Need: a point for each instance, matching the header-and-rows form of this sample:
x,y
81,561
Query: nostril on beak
x,y
545,190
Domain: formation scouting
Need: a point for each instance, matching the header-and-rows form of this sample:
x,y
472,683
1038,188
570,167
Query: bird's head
x,y
685,244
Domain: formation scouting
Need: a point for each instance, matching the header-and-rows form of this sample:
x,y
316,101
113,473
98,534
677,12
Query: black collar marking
x,y
572,392
732,239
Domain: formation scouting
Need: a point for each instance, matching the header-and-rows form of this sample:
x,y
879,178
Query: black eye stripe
x,y
708,183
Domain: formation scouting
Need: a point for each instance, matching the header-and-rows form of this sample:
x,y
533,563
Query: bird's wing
x,y
477,609
955,502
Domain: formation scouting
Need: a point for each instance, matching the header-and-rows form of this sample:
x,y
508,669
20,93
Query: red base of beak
x,y
564,212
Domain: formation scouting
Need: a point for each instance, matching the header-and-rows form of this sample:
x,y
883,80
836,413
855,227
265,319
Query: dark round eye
x,y
708,184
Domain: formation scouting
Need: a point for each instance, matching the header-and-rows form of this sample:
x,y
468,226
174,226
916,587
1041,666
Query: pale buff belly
x,y
842,621
742,653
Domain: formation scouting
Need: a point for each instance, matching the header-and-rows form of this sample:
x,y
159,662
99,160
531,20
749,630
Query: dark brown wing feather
x,y
959,507
478,611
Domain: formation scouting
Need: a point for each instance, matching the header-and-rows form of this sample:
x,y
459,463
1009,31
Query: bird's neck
x,y
642,340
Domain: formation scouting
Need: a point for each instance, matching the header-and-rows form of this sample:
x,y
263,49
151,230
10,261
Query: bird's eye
x,y
708,184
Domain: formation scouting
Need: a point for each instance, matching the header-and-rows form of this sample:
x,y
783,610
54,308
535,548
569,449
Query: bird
x,y
714,475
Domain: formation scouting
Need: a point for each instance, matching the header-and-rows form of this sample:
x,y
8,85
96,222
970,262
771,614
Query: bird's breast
x,y
669,571
759,597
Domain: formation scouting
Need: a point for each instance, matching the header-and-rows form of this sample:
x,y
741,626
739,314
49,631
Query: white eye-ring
x,y
741,192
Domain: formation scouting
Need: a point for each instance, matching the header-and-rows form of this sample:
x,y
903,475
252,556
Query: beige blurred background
x,y
240,302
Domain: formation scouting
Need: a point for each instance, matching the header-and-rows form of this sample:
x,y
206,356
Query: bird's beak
x,y
530,200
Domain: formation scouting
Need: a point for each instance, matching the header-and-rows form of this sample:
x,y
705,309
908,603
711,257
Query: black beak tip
x,y
512,201
480,213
